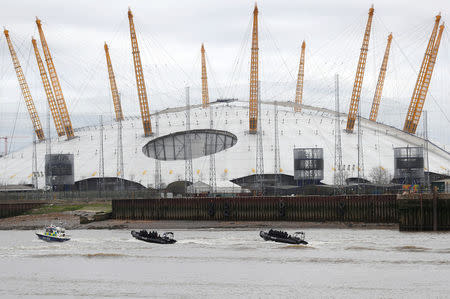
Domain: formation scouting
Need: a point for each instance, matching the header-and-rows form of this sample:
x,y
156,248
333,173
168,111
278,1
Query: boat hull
x,y
159,240
52,238
290,240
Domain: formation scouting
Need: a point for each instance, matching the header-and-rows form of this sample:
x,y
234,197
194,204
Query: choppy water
x,y
225,263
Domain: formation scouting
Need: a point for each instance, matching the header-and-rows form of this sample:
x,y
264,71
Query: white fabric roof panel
x,y
313,127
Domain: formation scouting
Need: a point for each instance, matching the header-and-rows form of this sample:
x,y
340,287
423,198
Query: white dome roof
x,y
313,127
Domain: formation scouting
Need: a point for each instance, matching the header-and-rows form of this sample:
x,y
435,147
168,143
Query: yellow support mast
x,y
205,93
25,90
426,83
61,102
254,77
356,94
114,90
380,83
409,116
301,74
140,83
48,91
408,126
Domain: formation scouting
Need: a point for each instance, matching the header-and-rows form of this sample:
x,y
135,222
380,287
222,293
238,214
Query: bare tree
x,y
379,175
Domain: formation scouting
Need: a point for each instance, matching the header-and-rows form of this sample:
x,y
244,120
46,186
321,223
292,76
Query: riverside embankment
x,y
412,213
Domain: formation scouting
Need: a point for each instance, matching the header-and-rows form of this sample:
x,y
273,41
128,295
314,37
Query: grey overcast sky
x,y
170,35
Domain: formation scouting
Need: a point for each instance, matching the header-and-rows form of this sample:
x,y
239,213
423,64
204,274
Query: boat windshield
x,y
300,235
54,230
168,235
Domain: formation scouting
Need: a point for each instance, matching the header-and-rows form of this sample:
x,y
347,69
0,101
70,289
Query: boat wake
x,y
298,246
360,248
84,255
411,248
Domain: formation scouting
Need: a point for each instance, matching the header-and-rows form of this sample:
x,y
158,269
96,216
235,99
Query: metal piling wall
x,y
363,208
425,212
14,209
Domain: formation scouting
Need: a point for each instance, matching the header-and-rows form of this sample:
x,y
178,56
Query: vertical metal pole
x,y
425,125
360,151
101,161
34,165
188,172
157,161
212,157
338,171
48,155
259,147
277,149
119,165
120,171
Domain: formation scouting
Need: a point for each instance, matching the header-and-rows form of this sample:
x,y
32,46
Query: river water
x,y
226,263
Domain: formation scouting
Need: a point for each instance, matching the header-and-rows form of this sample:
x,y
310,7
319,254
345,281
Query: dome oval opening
x,y
189,144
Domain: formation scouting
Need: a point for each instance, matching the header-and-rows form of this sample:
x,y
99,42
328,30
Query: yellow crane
x,y
60,101
114,91
48,91
356,94
140,83
423,79
301,74
25,90
205,93
254,73
379,89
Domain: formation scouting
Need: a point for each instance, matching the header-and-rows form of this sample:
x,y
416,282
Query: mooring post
x,y
435,195
421,212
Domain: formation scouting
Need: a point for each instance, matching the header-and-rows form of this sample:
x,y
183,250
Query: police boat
x,y
53,234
